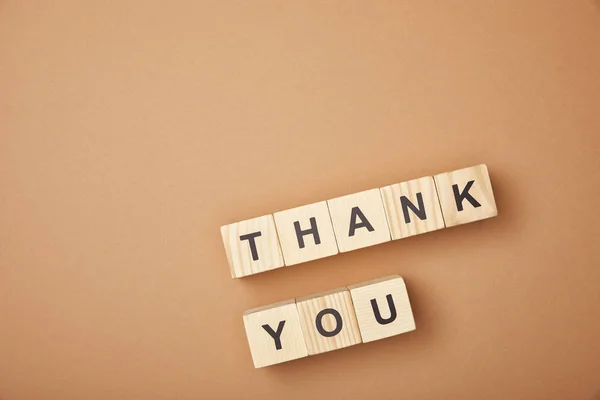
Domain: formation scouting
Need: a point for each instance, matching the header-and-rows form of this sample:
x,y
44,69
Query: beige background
x,y
131,131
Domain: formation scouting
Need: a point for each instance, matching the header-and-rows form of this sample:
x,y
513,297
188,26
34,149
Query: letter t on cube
x,y
252,246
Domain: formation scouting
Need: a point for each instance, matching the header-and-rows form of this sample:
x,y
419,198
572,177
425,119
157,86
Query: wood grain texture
x,y
339,300
262,345
370,206
239,252
481,191
395,322
313,249
403,226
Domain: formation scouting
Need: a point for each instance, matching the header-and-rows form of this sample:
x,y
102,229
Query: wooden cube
x,y
274,334
466,195
305,233
328,321
382,308
359,220
252,246
412,207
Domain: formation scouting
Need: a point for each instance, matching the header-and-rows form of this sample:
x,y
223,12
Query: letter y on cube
x,y
274,334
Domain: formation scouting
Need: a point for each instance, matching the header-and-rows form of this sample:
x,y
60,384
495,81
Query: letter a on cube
x,y
274,334
382,308
359,220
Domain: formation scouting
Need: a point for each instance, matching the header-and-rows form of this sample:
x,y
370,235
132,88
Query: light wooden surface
x,y
242,261
482,204
401,321
401,225
308,309
368,219
262,344
292,252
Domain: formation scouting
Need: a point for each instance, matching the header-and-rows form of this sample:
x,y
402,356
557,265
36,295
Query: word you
x,y
327,321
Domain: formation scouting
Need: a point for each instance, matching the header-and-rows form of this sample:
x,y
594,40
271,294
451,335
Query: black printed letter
x,y
275,335
250,238
406,204
392,317
338,322
312,231
364,222
460,196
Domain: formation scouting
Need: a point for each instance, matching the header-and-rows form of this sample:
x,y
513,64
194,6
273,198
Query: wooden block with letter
x,y
252,246
305,233
382,308
274,334
466,195
412,207
328,321
359,220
